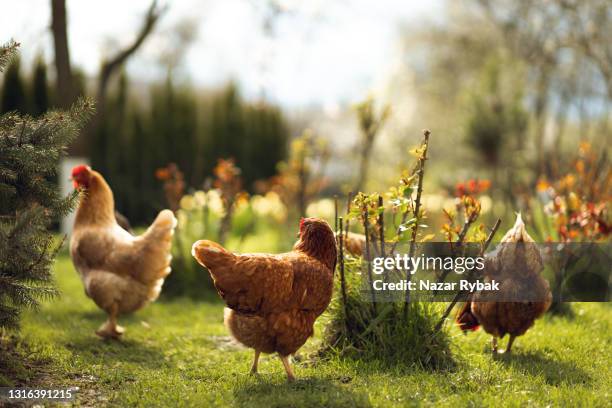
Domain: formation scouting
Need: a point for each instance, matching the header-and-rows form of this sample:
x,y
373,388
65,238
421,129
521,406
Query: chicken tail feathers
x,y
157,242
163,226
210,254
465,319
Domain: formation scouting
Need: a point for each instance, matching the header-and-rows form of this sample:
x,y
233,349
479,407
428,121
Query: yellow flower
x,y
567,182
486,203
242,202
433,202
573,202
187,202
182,219
269,205
323,208
200,198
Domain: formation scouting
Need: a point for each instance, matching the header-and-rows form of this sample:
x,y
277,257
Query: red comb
x,y
302,224
80,169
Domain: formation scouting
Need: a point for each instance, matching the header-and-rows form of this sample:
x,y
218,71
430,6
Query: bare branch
x,y
461,293
113,64
417,210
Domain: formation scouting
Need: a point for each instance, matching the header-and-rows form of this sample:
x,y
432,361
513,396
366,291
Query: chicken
x,y
274,300
354,243
523,294
120,272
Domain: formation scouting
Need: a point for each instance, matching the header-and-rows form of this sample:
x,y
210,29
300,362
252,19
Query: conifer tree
x,y
13,89
30,149
40,88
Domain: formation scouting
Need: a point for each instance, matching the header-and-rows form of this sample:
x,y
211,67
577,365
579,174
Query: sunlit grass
x,y
177,351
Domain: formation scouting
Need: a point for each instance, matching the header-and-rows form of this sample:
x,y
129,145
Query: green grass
x,y
178,353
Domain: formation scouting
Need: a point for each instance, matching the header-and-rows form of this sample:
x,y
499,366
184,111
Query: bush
x,y
384,333
179,126
30,150
574,207
399,331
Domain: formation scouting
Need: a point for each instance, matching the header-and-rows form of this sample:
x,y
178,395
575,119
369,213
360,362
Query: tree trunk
x,y
540,112
364,161
65,94
114,64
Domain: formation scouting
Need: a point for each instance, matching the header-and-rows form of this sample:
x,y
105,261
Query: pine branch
x,y
30,149
7,52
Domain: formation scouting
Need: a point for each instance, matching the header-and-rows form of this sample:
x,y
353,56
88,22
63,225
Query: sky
x,y
314,53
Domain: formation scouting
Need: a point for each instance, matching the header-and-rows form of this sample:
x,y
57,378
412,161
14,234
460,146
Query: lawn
x,y
178,352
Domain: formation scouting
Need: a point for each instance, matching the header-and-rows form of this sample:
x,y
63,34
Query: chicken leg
x,y
509,347
255,361
494,345
110,329
285,360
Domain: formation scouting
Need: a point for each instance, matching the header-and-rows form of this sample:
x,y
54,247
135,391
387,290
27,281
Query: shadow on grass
x,y
93,315
206,296
13,365
389,362
555,372
19,366
304,392
561,310
131,351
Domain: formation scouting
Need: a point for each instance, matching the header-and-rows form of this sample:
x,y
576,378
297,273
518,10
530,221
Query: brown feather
x,y
274,300
517,265
120,272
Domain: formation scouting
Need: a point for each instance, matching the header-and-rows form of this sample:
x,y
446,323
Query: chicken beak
x,y
74,183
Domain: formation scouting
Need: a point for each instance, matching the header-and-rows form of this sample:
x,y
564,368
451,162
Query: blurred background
x,y
243,115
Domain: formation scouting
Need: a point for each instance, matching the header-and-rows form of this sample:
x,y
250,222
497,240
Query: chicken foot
x,y
285,360
509,347
255,361
110,329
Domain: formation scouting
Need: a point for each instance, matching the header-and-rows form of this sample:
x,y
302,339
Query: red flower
x,y
472,186
460,189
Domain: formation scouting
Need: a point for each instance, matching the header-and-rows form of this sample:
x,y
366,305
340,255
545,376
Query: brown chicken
x,y
274,300
354,243
120,272
523,294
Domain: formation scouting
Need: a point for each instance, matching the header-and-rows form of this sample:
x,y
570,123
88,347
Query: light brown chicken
x,y
120,272
523,296
354,243
274,300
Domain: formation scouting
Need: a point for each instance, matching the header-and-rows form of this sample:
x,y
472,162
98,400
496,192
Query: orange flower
x,y
162,174
542,185
472,186
567,182
483,185
585,147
